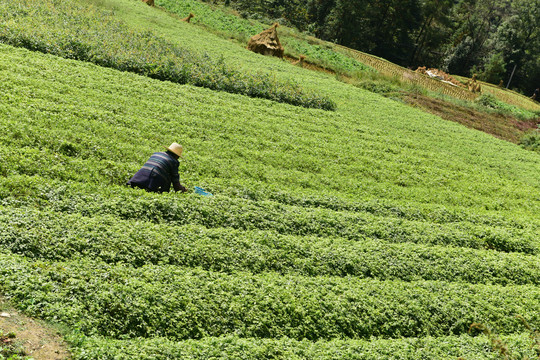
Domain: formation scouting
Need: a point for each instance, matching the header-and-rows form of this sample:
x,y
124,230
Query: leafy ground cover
x,y
375,231
75,31
120,301
221,21
500,108
60,237
231,347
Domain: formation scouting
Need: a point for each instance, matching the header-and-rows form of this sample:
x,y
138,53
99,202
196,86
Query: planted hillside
x,y
74,31
493,115
220,21
463,38
375,231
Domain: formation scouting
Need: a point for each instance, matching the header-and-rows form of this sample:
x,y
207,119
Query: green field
x,y
375,231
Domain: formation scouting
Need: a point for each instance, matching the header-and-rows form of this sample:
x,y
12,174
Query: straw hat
x,y
176,149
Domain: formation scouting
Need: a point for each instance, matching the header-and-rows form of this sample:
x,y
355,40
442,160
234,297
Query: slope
x,y
375,230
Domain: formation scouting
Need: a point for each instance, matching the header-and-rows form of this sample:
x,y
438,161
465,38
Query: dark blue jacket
x,y
157,173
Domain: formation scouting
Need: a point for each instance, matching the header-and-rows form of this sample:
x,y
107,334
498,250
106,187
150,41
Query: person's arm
x,y
179,187
175,177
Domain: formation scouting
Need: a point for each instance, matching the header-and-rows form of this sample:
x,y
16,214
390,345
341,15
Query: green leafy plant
x,y
503,349
372,231
74,31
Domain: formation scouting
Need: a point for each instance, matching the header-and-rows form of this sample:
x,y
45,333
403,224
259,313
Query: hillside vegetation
x,y
496,39
373,231
82,33
497,111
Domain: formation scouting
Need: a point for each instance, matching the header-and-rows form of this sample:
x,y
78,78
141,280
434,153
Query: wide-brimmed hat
x,y
176,149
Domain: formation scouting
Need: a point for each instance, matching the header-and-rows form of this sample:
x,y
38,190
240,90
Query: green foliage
x,y
375,231
74,31
385,27
323,55
232,347
119,301
218,20
531,141
494,69
10,349
287,220
487,35
59,237
502,347
292,12
489,101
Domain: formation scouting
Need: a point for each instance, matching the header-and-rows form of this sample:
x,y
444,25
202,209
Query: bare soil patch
x,y
37,339
502,126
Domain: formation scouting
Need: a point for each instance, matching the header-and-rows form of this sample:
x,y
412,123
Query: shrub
x,y
531,141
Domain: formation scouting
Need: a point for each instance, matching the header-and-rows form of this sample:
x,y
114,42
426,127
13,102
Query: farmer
x,y
160,171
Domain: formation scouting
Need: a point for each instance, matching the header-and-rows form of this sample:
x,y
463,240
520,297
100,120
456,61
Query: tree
x,y
432,34
518,39
381,27
474,22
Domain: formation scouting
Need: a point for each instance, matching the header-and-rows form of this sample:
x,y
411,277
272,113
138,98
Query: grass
x,y
220,21
374,231
352,65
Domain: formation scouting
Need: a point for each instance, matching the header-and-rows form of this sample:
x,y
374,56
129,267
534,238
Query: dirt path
x,y
38,340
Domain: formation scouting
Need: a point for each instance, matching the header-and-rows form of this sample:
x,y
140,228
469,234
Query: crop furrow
x,y
242,214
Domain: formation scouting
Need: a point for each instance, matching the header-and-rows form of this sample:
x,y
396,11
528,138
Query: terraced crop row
x,y
230,347
60,237
244,214
186,303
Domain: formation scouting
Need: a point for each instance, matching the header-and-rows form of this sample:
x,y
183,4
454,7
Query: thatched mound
x,y
266,43
149,2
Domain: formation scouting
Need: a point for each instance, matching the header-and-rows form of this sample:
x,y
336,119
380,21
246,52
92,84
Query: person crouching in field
x,y
160,171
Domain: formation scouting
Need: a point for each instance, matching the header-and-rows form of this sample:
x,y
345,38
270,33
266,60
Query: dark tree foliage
x,y
381,27
492,38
